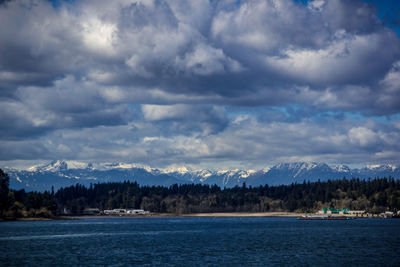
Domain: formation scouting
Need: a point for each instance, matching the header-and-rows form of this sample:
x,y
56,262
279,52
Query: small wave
x,y
30,237
35,237
169,232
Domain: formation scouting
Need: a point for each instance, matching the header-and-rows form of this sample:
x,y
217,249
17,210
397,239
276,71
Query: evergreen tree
x,y
4,190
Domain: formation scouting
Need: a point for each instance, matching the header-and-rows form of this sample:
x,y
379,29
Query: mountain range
x,y
65,173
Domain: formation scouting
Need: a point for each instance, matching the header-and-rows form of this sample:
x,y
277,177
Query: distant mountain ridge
x,y
61,173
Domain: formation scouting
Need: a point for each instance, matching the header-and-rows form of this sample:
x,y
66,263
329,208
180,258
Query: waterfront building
x,y
331,211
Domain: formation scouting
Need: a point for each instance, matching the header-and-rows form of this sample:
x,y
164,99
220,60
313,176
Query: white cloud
x,y
99,36
156,112
316,5
263,26
346,60
248,142
189,81
363,136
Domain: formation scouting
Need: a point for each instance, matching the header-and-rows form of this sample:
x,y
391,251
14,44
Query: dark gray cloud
x,y
213,82
245,142
184,119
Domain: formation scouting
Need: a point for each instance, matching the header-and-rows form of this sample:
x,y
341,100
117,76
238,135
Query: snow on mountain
x,y
383,167
248,173
76,165
299,169
63,165
341,168
265,170
53,166
18,179
65,173
120,165
58,165
378,171
173,169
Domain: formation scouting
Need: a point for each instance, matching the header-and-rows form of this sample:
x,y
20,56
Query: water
x,y
201,242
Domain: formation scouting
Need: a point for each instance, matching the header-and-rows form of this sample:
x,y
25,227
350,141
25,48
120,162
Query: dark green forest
x,y
373,195
19,204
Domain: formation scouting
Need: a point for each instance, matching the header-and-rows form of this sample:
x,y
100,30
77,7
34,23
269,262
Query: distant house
x,y
114,211
358,213
125,211
333,211
135,211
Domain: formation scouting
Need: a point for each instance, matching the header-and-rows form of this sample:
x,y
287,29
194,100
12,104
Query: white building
x,y
136,211
125,211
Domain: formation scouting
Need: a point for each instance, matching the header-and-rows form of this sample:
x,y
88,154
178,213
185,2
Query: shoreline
x,y
189,215
277,214
31,219
161,215
244,214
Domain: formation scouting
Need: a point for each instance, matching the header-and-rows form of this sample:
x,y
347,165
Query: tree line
x,y
19,204
373,195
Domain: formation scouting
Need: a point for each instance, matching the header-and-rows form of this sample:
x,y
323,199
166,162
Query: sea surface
x,y
200,242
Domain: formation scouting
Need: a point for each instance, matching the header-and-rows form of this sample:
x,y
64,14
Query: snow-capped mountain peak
x,y
173,169
248,173
64,173
119,165
342,168
381,167
299,167
54,166
63,165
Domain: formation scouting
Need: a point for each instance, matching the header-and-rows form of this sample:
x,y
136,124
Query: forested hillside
x,y
374,195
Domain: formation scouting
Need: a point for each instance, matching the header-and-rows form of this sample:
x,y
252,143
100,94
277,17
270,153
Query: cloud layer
x,y
213,83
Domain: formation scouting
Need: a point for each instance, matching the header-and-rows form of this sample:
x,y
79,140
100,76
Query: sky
x,y
207,84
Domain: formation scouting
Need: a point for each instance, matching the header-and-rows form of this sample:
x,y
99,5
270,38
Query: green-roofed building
x,y
333,211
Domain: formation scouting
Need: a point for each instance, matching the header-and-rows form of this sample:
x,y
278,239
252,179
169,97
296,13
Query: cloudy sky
x,y
208,84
